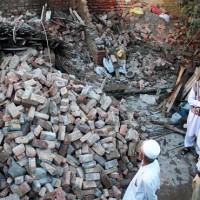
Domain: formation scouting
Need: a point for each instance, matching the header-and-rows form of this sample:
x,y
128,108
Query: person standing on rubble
x,y
196,183
147,180
193,121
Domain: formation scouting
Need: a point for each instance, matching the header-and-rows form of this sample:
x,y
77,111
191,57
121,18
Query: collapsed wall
x,y
59,138
9,7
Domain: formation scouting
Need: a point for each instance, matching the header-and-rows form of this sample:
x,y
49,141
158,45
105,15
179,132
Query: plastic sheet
x,y
165,17
137,11
107,63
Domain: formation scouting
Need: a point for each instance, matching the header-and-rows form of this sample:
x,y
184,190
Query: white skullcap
x,y
151,149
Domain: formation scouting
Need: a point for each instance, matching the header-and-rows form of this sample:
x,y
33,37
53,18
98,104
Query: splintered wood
x,y
182,87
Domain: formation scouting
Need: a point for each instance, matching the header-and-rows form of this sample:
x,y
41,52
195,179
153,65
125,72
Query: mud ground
x,y
176,181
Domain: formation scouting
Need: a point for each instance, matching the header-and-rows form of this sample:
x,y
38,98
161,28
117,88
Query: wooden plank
x,y
171,96
169,126
72,14
189,84
182,70
173,128
78,17
174,96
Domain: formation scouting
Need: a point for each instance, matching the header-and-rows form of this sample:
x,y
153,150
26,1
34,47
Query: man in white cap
x,y
196,183
147,180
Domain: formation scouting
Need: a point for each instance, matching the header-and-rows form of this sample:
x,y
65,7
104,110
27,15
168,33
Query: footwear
x,y
197,157
185,150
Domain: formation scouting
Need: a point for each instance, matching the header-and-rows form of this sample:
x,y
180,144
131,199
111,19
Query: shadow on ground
x,y
181,192
176,181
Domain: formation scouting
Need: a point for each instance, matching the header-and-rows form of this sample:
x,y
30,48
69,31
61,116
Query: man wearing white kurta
x,y
193,121
147,180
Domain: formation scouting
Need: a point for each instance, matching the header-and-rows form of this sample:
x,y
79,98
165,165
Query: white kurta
x,y
193,122
145,183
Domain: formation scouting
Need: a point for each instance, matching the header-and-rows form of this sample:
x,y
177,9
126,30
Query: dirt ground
x,y
176,181
182,192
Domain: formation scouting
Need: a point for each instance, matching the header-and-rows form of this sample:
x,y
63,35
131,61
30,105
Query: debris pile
x,y
63,33
59,137
155,52
141,37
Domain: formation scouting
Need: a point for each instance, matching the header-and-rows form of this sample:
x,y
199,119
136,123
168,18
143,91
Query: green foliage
x,y
192,9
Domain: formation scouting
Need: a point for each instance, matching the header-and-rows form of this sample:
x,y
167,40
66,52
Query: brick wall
x,y
82,8
9,7
100,6
16,7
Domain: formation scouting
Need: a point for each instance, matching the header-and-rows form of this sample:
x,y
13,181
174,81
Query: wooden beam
x,y
173,128
78,17
190,82
173,98
182,70
169,126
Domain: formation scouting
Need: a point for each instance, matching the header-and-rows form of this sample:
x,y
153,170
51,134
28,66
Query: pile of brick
x,y
148,28
65,35
59,138
58,27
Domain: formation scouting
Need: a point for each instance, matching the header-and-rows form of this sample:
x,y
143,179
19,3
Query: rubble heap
x,y
60,138
64,34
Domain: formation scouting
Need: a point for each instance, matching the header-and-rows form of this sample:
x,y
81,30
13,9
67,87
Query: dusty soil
x,y
176,181
181,192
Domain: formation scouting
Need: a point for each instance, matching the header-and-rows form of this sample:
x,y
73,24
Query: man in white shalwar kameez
x,y
147,180
193,121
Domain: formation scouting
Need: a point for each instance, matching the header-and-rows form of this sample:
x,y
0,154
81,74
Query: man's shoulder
x,y
151,174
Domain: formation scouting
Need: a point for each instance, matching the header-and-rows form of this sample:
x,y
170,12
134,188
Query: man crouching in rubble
x,y
147,180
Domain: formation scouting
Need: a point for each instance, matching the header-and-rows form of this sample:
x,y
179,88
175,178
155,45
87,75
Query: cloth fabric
x,y
198,165
121,54
196,188
145,183
193,122
122,64
151,149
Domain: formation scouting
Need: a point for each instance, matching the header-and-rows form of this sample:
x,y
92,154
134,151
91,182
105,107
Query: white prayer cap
x,y
151,149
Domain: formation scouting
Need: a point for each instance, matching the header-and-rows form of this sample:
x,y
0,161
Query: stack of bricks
x,y
9,7
60,139
59,4
101,6
97,54
121,4
97,6
84,12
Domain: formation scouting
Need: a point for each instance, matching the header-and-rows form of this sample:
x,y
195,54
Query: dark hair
x,y
149,160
